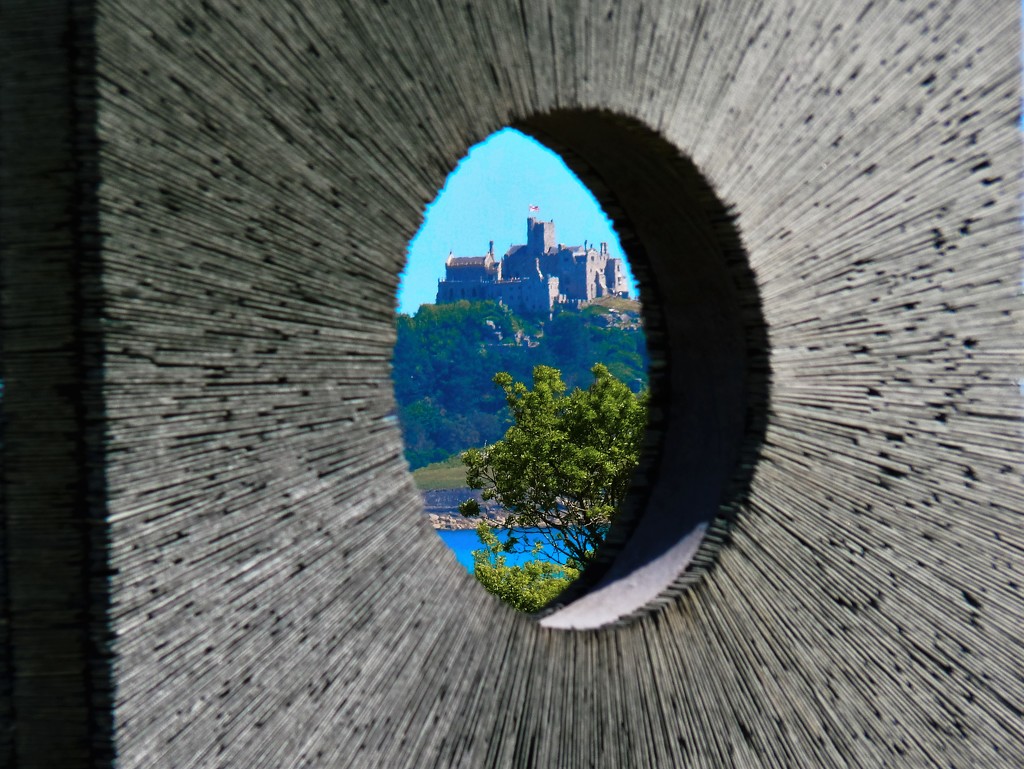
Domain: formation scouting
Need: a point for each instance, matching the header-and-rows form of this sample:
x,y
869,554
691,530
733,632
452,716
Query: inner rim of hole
x,y
708,373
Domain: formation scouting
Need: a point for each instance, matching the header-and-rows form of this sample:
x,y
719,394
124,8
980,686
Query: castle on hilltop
x,y
532,278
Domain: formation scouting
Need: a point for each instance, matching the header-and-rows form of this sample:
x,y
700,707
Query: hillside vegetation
x,y
446,356
447,474
616,303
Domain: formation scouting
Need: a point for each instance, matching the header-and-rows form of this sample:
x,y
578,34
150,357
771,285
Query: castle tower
x,y
540,236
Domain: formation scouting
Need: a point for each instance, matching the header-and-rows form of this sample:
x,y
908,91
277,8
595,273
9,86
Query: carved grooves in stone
x,y
264,166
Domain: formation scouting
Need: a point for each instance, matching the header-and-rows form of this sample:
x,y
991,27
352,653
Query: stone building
x,y
533,277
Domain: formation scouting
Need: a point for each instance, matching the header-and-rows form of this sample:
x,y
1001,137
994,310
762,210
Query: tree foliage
x,y
445,356
565,463
528,587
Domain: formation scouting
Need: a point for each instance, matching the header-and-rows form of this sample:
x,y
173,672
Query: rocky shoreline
x,y
442,507
452,522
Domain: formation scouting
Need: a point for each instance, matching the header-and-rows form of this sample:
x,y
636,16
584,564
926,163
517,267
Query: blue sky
x,y
487,197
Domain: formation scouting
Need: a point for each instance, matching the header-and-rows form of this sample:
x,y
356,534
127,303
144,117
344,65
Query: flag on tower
x,y
534,209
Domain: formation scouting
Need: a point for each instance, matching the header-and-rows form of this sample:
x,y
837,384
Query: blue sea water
x,y
464,541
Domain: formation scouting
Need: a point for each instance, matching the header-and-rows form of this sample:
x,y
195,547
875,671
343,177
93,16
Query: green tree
x,y
528,587
565,463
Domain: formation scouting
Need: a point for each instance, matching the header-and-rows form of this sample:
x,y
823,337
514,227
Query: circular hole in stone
x,y
516,268
709,373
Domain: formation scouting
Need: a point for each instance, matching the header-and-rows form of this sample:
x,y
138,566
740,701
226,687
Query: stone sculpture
x,y
212,551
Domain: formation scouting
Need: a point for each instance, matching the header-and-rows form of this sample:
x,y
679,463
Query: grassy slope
x,y
449,474
616,303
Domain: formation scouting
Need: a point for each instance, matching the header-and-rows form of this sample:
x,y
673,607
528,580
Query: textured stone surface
x,y
217,369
